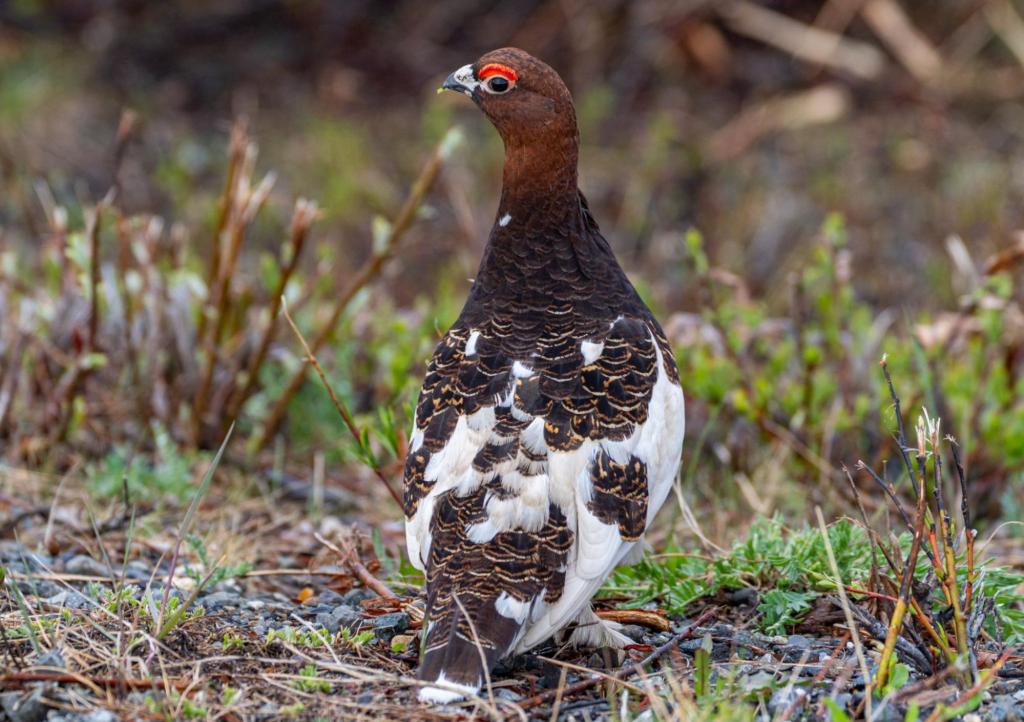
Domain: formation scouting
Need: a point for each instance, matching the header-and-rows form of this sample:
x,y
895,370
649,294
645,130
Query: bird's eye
x,y
497,84
497,78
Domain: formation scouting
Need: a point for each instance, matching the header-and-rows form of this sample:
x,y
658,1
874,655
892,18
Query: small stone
x,y
783,698
38,588
690,646
387,626
972,717
24,707
97,715
401,642
1005,709
365,698
69,600
311,611
219,600
742,597
268,708
506,693
355,597
798,640
634,632
137,570
53,659
100,715
82,564
341,616
329,596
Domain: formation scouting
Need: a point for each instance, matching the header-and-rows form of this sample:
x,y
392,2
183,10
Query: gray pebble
x,y
799,641
1005,709
82,564
355,597
219,600
310,611
781,699
96,715
690,646
53,658
634,632
341,616
70,600
137,570
387,626
329,596
38,588
24,707
506,693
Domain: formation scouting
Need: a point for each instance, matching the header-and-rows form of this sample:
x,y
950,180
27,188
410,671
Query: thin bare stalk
x,y
237,149
900,610
343,411
369,271
306,212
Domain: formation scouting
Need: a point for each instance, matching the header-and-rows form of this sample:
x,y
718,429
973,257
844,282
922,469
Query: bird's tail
x,y
467,633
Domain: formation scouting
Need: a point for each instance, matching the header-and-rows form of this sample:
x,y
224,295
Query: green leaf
x,y
836,713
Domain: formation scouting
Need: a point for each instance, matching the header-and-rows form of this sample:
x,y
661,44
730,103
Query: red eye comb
x,y
497,69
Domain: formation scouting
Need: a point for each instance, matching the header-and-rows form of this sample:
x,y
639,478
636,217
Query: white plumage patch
x,y
471,343
503,221
448,691
509,606
521,370
591,351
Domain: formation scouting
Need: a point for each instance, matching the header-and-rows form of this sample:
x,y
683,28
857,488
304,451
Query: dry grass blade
x,y
847,612
343,411
186,524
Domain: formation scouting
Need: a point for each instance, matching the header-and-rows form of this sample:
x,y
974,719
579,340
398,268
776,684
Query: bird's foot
x,y
596,633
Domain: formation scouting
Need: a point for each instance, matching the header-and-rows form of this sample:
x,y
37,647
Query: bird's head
x,y
523,97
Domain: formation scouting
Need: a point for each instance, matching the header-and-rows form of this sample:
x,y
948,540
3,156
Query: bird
x,y
549,427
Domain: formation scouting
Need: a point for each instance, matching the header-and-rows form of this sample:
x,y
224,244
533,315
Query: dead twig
x,y
643,617
914,51
20,678
349,558
806,42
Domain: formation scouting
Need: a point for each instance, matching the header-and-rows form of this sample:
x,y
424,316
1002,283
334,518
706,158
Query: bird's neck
x,y
540,179
541,242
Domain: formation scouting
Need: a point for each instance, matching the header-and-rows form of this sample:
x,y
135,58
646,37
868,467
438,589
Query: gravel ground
x,y
240,636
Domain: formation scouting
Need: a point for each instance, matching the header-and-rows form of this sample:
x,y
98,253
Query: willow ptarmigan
x,y
550,424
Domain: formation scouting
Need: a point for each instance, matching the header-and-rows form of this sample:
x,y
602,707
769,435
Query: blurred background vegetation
x,y
797,187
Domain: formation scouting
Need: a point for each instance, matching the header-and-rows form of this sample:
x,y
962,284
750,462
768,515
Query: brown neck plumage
x,y
540,177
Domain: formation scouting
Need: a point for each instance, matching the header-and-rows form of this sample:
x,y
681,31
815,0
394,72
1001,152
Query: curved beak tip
x,y
461,81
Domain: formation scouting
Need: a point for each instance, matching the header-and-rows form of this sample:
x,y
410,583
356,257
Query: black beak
x,y
462,80
450,83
